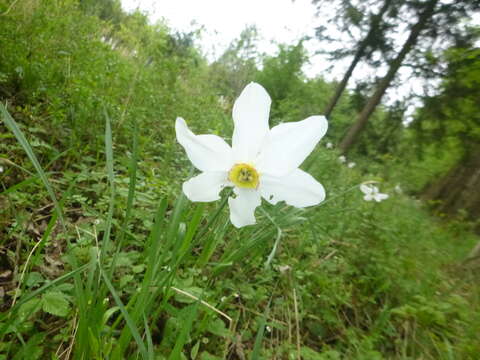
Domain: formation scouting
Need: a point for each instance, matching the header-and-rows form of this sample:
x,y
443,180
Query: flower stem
x,y
277,240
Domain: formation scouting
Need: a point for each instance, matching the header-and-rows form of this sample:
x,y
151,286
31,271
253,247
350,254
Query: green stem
x,y
277,240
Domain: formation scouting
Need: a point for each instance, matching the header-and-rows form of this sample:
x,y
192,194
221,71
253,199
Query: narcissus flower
x,y
261,162
372,193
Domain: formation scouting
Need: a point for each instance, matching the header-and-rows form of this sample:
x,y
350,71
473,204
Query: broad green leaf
x,y
217,327
55,303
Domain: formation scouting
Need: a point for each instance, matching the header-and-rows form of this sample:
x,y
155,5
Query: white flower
x,y
222,101
342,159
351,164
398,189
1,169
261,162
372,193
329,145
284,268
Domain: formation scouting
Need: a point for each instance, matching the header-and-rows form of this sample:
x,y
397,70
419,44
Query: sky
x,y
281,20
278,21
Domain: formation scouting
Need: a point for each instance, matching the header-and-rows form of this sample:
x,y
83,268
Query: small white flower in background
x,y
372,193
284,268
268,328
329,145
342,159
1,169
398,189
351,164
222,101
261,162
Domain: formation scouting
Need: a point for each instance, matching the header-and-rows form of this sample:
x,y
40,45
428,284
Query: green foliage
x,y
237,65
282,74
140,272
445,131
454,113
55,303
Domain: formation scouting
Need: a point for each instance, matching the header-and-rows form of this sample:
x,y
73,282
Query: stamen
x,y
244,176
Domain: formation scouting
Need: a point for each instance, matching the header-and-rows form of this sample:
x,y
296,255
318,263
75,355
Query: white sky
x,y
280,21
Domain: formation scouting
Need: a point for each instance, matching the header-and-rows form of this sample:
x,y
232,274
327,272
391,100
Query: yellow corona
x,y
244,176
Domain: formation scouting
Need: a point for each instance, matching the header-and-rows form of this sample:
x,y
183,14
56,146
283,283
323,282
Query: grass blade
x,y
126,315
148,335
261,331
183,336
130,198
111,180
19,185
13,127
259,338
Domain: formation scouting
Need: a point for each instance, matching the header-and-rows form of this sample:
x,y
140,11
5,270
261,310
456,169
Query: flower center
x,y
244,176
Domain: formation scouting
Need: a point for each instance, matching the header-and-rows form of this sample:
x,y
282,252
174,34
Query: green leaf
x,y
32,349
138,268
34,278
27,309
55,303
124,280
217,327
194,351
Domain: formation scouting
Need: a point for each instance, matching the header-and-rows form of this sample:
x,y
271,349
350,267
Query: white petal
x,y
368,197
250,118
242,208
205,187
366,189
379,197
287,145
298,189
206,152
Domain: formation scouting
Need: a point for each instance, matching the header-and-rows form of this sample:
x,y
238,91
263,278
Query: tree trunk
x,y
459,188
372,103
358,55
